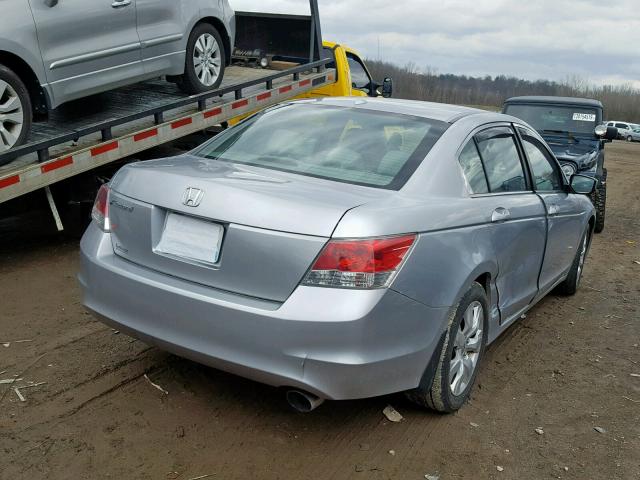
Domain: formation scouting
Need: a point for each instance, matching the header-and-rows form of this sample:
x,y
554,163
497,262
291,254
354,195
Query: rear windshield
x,y
557,118
349,145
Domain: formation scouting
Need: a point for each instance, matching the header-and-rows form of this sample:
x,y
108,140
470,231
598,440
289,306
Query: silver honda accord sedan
x,y
340,248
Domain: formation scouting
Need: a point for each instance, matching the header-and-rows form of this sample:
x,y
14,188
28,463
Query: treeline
x,y
621,102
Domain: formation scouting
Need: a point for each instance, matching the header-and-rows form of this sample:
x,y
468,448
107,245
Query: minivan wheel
x,y
570,284
15,110
205,61
461,353
629,139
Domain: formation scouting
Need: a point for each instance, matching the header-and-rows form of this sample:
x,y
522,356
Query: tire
x,y
204,49
629,139
16,114
600,202
444,394
570,284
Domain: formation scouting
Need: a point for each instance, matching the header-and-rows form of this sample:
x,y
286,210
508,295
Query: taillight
x,y
370,263
100,212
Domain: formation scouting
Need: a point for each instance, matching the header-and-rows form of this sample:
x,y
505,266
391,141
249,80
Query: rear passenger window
x,y
501,160
472,168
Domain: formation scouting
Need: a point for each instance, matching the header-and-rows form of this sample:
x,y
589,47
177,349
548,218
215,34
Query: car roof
x,y
585,102
431,110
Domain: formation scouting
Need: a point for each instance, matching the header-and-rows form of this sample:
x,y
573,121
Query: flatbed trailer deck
x,y
69,144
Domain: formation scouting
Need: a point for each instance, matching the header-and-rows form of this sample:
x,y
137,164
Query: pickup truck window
x,y
350,145
359,76
501,160
560,119
472,168
546,175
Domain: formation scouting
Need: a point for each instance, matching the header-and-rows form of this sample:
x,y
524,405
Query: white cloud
x,y
531,39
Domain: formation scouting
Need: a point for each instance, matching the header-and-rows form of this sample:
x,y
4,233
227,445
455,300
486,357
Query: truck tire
x,y
570,284
205,60
600,202
16,113
465,329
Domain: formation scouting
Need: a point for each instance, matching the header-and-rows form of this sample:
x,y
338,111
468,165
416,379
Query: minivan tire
x,y
439,395
12,87
192,81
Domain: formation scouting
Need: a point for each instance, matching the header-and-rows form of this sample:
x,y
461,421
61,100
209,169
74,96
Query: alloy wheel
x,y
11,116
583,254
206,59
466,348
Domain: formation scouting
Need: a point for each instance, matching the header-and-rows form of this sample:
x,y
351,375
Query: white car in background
x,y
626,131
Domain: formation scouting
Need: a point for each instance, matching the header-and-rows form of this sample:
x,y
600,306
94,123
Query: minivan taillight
x,y
100,212
364,264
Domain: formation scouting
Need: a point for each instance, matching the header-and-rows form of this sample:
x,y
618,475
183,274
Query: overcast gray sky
x,y
596,40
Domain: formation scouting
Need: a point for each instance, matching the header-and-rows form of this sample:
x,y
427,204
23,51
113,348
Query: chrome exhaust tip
x,y
303,402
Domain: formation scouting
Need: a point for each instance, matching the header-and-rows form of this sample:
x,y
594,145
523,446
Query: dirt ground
x,y
570,366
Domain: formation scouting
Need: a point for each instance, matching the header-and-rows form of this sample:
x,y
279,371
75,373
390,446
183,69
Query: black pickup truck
x,y
571,128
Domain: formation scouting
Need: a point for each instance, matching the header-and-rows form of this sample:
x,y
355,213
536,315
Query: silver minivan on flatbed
x,y
54,51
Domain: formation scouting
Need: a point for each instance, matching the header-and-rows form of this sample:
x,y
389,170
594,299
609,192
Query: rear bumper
x,y
338,344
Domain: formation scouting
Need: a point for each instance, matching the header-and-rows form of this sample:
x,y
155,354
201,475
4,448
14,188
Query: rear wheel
x,y
570,285
205,60
460,356
600,202
15,110
629,139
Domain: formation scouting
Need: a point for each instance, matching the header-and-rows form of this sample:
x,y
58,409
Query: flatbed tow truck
x,y
110,127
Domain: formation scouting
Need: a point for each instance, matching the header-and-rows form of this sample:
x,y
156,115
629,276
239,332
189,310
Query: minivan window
x,y
546,175
622,125
472,168
351,145
501,160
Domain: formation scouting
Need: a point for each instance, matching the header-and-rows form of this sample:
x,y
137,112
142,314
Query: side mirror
x,y
386,89
606,133
583,185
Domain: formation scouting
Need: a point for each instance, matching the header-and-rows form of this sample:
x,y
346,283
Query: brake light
x,y
370,263
100,212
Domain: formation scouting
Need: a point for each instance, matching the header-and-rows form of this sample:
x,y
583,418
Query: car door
x,y
162,28
87,46
564,214
518,220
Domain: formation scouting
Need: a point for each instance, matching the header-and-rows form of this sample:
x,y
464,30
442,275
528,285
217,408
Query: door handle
x,y
500,214
121,3
553,210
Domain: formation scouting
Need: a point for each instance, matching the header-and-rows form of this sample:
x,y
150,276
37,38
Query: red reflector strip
x,y
62,162
104,148
263,96
241,103
7,182
181,123
212,113
143,135
285,89
304,83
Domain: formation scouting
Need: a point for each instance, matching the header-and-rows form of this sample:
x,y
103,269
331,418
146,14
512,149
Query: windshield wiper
x,y
562,132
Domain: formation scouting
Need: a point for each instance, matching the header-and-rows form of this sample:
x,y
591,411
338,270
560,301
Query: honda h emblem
x,y
192,197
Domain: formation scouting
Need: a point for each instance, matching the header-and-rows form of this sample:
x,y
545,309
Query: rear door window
x,y
472,168
499,153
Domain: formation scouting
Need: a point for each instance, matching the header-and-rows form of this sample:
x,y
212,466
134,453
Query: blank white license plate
x,y
191,238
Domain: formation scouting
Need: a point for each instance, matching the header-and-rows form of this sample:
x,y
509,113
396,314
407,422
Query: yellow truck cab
x,y
352,78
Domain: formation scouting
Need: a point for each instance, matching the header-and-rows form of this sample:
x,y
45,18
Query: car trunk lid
x,y
273,224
